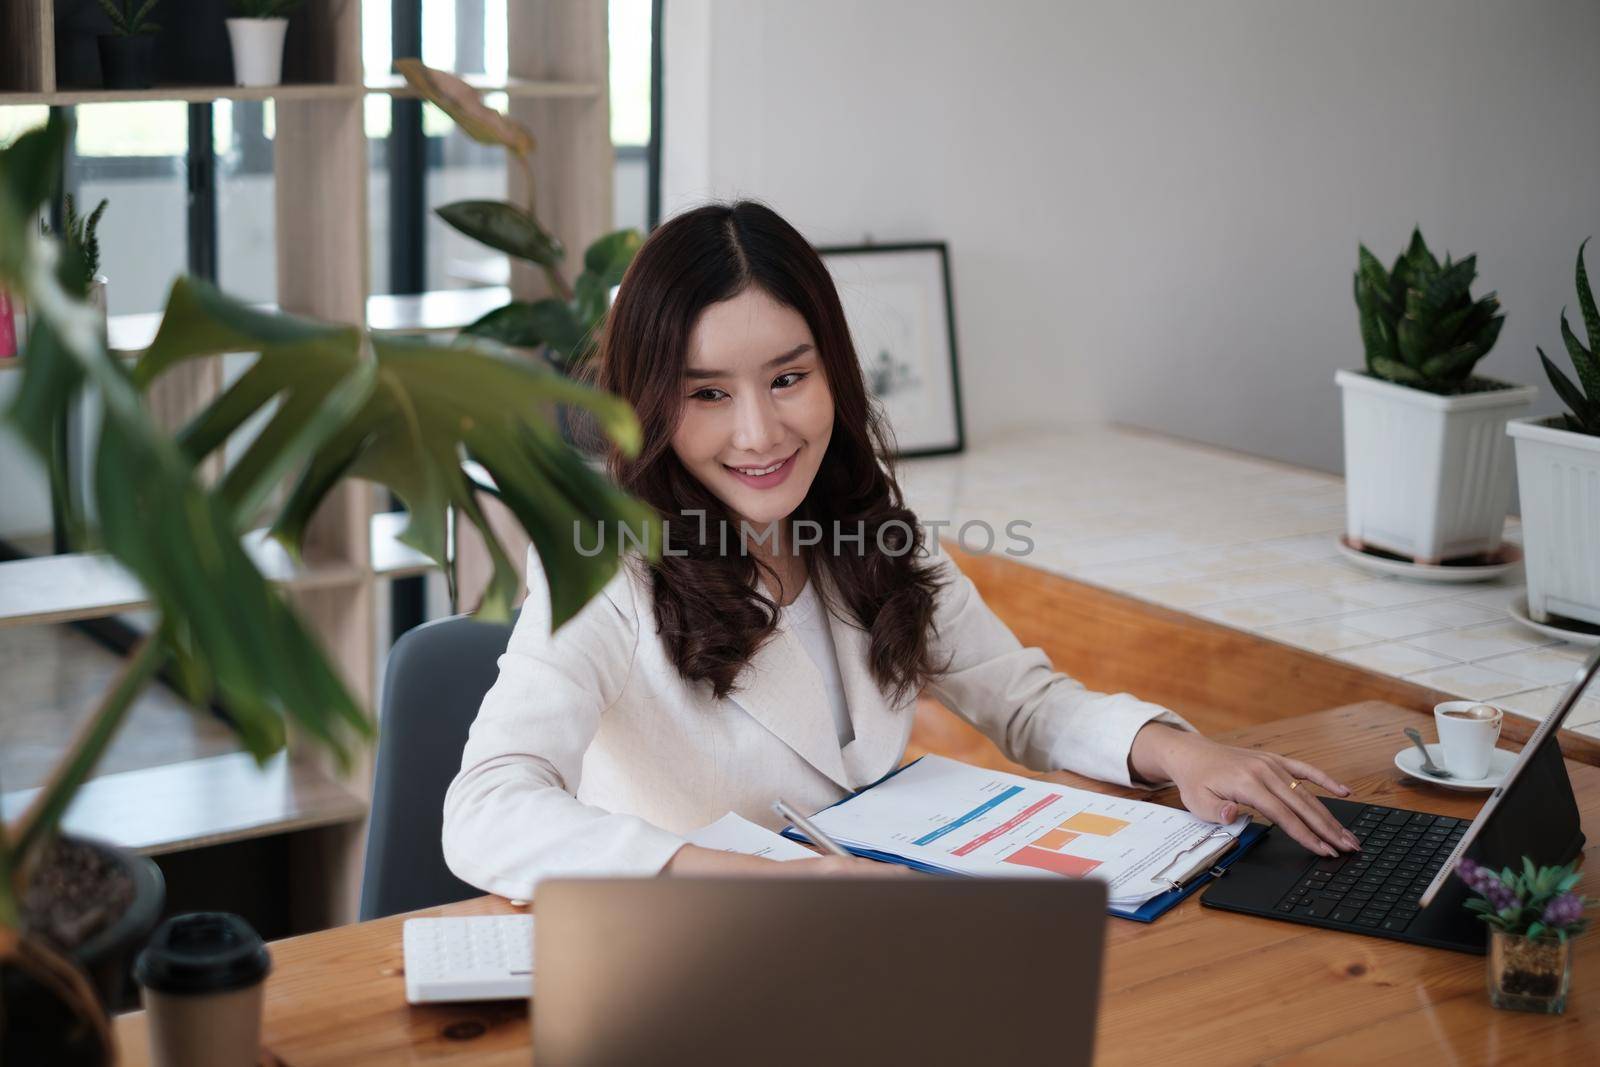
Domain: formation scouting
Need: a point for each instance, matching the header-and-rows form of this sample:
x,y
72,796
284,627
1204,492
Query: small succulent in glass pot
x,y
1532,917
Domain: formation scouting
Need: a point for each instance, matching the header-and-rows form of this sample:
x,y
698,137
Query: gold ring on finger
x,y
1294,783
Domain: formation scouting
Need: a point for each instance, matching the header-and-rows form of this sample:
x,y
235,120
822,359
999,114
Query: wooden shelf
x,y
395,85
80,585
384,85
193,94
557,83
202,802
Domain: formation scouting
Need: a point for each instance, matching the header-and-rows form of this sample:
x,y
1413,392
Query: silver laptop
x,y
790,970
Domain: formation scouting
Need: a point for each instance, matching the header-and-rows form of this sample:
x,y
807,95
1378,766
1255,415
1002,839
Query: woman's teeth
x,y
756,472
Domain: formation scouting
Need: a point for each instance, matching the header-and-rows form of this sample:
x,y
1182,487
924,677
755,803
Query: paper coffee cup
x,y
202,979
1468,730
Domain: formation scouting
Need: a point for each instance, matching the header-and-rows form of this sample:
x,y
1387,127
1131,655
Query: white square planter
x,y
1558,476
1427,477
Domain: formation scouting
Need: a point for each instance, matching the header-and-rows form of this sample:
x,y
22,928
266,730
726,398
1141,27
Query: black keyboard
x,y
1376,889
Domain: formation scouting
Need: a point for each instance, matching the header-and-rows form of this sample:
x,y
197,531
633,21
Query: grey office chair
x,y
437,676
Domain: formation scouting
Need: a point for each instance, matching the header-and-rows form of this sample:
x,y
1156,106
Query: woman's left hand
x,y
1216,780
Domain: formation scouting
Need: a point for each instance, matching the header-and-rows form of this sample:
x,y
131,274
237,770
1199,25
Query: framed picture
x,y
897,301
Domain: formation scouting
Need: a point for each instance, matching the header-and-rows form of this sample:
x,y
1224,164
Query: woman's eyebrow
x,y
698,373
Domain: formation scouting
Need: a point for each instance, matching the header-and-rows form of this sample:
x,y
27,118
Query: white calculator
x,y
470,957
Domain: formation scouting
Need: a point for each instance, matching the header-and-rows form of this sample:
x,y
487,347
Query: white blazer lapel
x,y
880,729
781,689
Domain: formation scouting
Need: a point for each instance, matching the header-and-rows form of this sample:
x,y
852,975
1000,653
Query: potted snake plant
x,y
1427,470
128,52
1558,479
337,402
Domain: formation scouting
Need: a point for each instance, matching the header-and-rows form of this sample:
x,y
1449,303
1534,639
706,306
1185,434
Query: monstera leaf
x,y
406,413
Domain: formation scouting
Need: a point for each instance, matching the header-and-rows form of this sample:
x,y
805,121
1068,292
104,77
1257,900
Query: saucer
x,y
1560,628
1408,759
1468,569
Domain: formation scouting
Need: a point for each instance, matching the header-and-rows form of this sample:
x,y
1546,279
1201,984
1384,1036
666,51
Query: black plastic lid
x,y
203,952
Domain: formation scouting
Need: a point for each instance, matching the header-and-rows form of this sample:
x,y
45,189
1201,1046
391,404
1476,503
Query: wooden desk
x,y
1198,986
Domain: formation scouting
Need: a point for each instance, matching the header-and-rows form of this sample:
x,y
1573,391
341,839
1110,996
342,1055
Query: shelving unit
x,y
558,86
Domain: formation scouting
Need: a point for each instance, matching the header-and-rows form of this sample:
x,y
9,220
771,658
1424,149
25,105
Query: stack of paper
x,y
944,816
734,833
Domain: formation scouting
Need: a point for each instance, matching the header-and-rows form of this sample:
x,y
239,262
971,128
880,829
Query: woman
x,y
764,656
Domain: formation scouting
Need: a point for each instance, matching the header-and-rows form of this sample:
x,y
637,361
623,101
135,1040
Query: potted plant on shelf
x,y
81,253
564,325
1532,917
405,413
1427,470
128,52
256,33
1558,477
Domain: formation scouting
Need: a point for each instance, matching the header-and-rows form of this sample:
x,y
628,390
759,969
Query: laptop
x,y
1401,884
789,970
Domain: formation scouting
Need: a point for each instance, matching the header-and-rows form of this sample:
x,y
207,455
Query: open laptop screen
x,y
1540,753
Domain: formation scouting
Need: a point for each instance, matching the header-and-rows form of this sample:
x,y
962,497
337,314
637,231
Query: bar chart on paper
x,y
953,817
1052,850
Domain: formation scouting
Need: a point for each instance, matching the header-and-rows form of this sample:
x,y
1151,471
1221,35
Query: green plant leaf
x,y
1535,929
466,107
1414,340
528,325
609,256
591,296
1586,304
431,404
504,227
1569,393
1585,362
1453,365
1418,259
1397,372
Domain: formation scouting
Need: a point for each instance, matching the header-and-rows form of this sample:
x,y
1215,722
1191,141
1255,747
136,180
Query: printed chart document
x,y
954,818
734,833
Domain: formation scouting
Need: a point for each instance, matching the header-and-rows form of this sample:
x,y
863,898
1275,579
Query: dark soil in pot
x,y
95,904
128,62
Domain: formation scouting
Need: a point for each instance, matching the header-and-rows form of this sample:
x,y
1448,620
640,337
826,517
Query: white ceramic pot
x,y
1558,479
97,300
1427,477
257,50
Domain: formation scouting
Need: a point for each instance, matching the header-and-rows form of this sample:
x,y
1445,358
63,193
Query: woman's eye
x,y
707,394
785,381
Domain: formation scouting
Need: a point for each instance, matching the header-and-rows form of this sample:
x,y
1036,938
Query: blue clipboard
x,y
1147,912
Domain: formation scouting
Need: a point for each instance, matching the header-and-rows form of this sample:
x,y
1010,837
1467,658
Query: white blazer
x,y
592,755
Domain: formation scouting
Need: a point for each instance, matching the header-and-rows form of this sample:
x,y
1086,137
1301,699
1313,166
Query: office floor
x,y
53,676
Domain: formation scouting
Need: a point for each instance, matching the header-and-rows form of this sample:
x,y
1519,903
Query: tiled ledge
x,y
1247,543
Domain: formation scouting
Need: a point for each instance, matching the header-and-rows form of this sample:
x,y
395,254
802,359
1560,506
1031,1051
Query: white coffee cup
x,y
1468,730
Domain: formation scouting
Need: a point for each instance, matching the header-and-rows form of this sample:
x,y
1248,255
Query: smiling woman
x,y
777,646
729,340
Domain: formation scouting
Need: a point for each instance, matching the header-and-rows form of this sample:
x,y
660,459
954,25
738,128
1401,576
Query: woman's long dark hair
x,y
709,607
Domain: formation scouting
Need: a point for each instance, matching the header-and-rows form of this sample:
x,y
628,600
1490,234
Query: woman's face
x,y
757,413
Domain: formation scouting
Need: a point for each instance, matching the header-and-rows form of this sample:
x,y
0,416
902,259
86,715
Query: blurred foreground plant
x,y
336,403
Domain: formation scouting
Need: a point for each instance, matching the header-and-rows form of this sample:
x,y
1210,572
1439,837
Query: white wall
x,y
1153,208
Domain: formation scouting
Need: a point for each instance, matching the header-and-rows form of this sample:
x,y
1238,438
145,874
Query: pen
x,y
818,838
